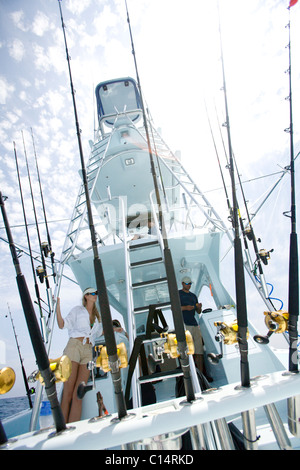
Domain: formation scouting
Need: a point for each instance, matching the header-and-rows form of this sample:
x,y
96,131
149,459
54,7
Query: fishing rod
x,y
34,330
99,274
248,234
42,318
29,391
47,248
40,270
170,271
293,295
241,309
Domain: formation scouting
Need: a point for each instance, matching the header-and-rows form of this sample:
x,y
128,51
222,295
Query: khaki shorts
x,y
78,352
197,338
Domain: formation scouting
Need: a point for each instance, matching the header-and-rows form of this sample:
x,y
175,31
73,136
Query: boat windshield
x,y
116,97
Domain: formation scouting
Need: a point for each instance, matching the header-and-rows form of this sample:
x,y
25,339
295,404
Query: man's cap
x,y
186,280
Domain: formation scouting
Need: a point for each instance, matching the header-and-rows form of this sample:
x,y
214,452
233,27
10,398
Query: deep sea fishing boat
x,y
139,225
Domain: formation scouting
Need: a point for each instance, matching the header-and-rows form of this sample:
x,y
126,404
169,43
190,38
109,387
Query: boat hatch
x,y
117,96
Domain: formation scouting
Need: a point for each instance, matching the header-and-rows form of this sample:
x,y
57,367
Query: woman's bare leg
x,y
68,391
76,406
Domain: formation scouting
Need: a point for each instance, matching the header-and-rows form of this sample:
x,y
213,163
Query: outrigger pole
x,y
99,274
293,302
241,306
170,271
34,331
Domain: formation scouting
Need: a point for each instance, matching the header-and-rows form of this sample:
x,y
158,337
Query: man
x,y
189,306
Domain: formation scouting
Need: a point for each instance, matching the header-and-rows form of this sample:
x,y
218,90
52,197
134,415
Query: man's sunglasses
x,y
187,283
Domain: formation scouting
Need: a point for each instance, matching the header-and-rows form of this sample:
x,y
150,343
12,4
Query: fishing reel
x,y
227,333
61,367
265,255
40,272
166,343
171,344
7,380
276,322
101,361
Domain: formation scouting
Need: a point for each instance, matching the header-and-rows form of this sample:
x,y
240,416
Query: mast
x,y
170,271
293,295
99,274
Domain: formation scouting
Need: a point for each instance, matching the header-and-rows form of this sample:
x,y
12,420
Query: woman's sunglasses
x,y
93,293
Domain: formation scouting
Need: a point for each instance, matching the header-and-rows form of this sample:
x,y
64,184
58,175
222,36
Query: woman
x,y
84,326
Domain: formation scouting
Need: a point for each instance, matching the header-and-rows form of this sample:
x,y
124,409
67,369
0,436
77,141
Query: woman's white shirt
x,y
78,325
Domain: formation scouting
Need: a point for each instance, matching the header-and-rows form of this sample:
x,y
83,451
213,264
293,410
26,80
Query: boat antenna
x,y
41,270
238,256
34,330
29,391
293,297
99,274
37,292
47,248
170,271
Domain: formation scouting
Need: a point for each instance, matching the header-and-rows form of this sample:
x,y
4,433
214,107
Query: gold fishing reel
x,y
102,357
61,367
7,380
228,331
276,322
171,344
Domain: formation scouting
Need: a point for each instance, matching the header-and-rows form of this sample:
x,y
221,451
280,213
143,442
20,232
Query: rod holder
x,y
294,415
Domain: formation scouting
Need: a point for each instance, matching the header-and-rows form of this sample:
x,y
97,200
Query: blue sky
x,y
177,47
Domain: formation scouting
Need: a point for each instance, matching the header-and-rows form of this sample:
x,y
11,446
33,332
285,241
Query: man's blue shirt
x,y
188,298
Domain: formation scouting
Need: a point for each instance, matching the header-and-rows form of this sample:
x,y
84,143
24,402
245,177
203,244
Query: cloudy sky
x,y
178,54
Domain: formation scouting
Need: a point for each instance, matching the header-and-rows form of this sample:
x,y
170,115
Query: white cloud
x,y
6,90
77,6
16,50
17,17
41,24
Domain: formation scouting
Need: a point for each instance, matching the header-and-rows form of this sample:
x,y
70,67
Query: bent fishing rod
x,y
99,274
293,293
241,305
169,265
34,330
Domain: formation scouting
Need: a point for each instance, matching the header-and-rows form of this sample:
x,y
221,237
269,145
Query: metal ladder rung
x,y
146,308
146,262
143,245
